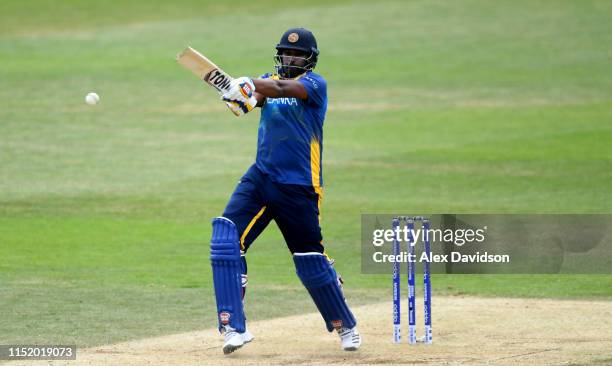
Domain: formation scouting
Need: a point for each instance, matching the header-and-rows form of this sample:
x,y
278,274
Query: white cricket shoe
x,y
351,340
235,340
247,336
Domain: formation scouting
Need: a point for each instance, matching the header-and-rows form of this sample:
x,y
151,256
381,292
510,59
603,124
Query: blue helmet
x,y
299,39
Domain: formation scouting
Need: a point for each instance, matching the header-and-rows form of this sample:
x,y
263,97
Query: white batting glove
x,y
241,93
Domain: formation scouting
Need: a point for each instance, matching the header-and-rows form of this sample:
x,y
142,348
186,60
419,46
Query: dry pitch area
x,y
467,331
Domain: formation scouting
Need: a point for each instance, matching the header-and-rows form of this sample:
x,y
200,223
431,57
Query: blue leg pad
x,y
227,273
321,281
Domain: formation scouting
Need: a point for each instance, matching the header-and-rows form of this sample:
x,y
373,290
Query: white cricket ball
x,y
92,98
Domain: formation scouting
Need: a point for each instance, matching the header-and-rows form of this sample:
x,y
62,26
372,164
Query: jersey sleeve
x,y
316,87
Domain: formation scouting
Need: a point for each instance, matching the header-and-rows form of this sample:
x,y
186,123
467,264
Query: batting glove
x,y
242,94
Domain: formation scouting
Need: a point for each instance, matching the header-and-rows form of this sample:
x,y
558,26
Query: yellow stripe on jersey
x,y
250,226
315,162
329,259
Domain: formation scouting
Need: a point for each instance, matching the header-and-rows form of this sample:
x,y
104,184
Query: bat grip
x,y
230,108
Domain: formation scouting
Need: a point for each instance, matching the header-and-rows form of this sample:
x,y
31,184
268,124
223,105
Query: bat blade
x,y
205,70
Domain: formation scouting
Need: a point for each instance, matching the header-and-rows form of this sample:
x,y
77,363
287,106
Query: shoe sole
x,y
351,348
230,348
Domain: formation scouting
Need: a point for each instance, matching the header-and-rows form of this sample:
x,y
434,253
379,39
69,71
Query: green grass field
x,y
459,107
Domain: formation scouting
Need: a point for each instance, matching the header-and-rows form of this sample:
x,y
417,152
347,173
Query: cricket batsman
x,y
285,185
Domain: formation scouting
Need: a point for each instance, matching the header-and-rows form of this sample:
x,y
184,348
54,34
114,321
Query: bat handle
x,y
230,108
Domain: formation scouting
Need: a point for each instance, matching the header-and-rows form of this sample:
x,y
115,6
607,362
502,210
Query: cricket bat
x,y
205,70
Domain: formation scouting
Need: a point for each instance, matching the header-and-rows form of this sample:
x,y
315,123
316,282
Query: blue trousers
x,y
257,200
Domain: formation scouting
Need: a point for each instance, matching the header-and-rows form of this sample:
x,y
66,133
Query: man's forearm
x,y
269,88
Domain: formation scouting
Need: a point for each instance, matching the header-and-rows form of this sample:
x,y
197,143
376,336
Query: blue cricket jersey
x,y
290,137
